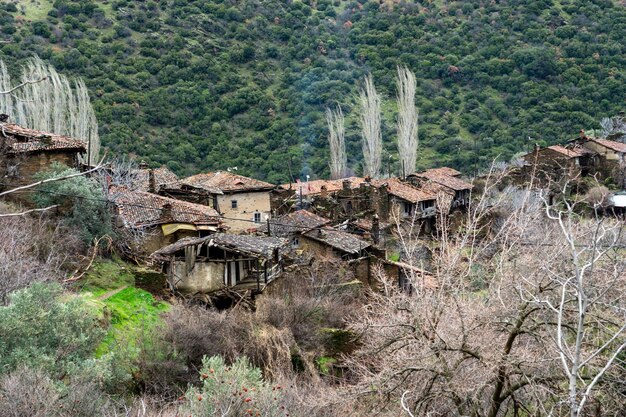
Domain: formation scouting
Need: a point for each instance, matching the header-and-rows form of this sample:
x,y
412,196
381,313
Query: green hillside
x,y
207,84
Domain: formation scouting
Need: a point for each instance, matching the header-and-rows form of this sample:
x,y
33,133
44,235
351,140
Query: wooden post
x,y
258,278
265,271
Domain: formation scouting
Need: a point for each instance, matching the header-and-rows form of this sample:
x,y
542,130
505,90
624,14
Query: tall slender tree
x,y
336,139
408,138
54,105
370,128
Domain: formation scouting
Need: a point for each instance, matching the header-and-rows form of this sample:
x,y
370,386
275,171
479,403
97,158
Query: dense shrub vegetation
x,y
210,84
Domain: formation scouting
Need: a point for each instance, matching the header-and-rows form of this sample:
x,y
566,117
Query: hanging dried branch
x,y
408,138
336,139
370,125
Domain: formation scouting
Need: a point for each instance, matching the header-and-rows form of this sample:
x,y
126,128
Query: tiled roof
x,y
226,182
406,191
439,177
315,186
366,224
23,140
249,245
139,208
611,144
451,172
570,153
342,241
296,222
163,177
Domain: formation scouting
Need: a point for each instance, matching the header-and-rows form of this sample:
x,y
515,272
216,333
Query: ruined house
x,y
411,203
243,202
556,163
326,242
25,152
444,180
152,180
293,224
208,264
149,222
610,159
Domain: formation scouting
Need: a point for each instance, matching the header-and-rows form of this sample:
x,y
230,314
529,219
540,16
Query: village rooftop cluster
x,y
219,231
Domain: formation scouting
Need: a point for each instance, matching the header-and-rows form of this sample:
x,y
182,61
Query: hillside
x,y
199,84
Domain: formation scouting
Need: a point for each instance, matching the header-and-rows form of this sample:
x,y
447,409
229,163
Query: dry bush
x,y
30,392
307,300
33,249
197,332
26,392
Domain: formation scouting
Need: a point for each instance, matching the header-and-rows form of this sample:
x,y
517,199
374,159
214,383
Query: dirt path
x,y
112,293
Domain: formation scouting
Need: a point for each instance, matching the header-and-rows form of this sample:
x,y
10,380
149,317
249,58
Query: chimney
x,y
368,179
324,191
346,184
375,229
537,147
143,165
151,182
166,212
582,135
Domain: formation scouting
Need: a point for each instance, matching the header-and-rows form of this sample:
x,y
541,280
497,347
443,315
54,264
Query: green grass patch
x,y
106,275
134,314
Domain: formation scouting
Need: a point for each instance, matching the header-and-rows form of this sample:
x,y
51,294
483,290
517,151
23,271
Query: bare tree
x,y
501,333
46,100
407,120
336,139
370,128
588,302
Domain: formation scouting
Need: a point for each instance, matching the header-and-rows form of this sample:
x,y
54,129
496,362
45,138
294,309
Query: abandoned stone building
x,y
243,202
152,180
208,264
25,152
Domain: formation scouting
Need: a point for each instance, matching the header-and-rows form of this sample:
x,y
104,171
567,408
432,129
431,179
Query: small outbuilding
x,y
205,265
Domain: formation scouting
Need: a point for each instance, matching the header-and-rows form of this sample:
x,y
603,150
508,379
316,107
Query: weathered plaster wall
x,y
247,205
204,277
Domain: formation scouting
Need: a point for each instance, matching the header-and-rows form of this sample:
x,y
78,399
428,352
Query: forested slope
x,y
201,84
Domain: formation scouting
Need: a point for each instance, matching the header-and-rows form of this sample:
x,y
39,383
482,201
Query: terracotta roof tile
x,y
570,153
611,144
315,186
436,175
163,177
406,191
138,209
22,140
226,181
296,222
342,241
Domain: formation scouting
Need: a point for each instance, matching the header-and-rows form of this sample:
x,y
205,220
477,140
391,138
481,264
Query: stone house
x,y
446,180
292,225
152,180
208,264
556,163
610,158
340,200
25,152
408,202
326,242
149,222
243,202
